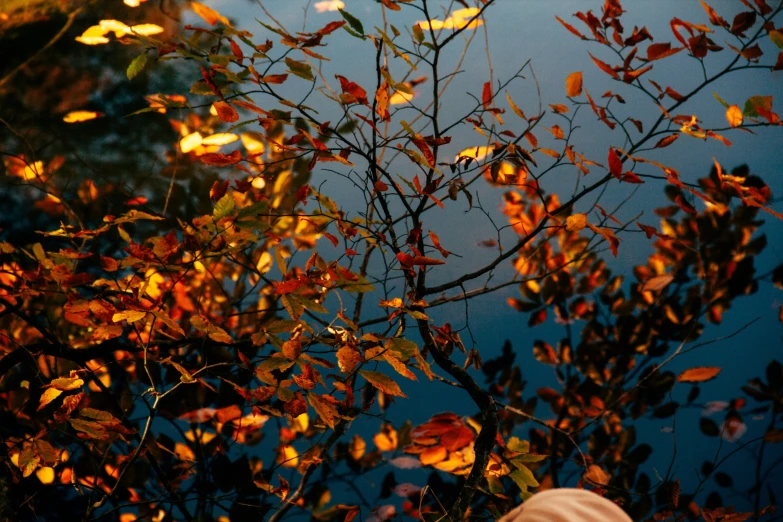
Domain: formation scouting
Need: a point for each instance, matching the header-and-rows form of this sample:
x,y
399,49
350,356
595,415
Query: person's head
x,y
566,505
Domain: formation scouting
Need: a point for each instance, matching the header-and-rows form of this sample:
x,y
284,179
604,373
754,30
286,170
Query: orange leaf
x,y
574,84
226,112
382,382
433,455
657,283
699,374
734,116
209,15
605,67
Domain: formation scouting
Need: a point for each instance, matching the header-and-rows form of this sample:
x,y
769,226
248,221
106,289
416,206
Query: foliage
x,y
206,341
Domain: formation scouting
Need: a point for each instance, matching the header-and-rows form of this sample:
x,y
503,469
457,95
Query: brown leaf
x,y
226,112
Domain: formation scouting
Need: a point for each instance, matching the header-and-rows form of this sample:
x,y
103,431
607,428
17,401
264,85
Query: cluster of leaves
x,y
146,351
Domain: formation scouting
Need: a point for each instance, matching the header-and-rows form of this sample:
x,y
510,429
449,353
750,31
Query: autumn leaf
x,y
656,283
576,222
615,164
324,407
595,475
734,116
605,67
226,112
574,84
382,382
699,374
208,14
80,116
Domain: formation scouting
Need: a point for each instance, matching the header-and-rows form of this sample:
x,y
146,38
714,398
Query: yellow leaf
x,y
734,116
45,475
477,153
94,35
399,97
48,396
146,29
118,28
288,457
77,116
190,142
221,138
253,142
576,222
574,84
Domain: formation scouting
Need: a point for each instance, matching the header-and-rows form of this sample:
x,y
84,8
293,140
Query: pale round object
x,y
566,505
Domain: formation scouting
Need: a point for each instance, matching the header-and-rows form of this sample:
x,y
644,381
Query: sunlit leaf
x,y
328,5
221,138
576,222
190,142
79,116
734,116
146,29
208,14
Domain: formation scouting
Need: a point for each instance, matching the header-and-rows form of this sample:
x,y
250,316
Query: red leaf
x,y
221,160
236,50
486,97
615,165
226,112
425,150
331,27
349,87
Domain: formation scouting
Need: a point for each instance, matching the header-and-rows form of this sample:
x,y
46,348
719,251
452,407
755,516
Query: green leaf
x,y
524,478
518,446
223,207
722,102
382,382
402,349
527,458
765,102
300,69
354,22
137,65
